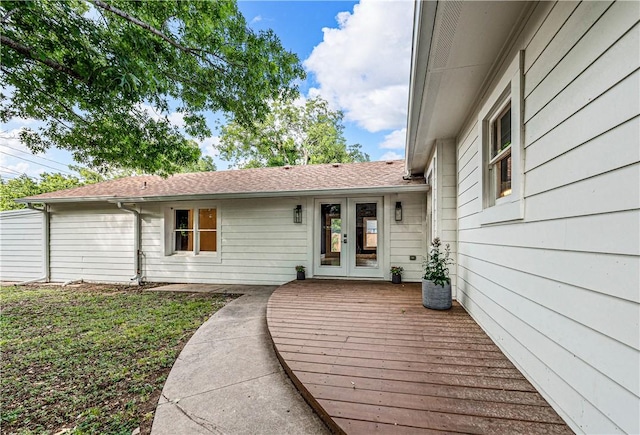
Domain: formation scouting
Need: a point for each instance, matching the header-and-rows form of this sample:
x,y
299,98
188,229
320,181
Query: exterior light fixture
x,y
398,211
297,214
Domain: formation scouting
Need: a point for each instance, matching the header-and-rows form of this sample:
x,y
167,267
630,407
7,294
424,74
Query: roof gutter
x,y
46,242
137,263
424,20
237,195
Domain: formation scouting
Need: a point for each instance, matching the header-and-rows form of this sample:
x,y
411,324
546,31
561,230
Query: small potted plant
x,y
436,284
300,272
396,274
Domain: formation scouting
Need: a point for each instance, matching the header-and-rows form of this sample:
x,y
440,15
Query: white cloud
x,y
391,155
9,142
256,19
11,139
16,157
24,168
10,166
24,121
209,146
18,169
394,140
362,67
175,118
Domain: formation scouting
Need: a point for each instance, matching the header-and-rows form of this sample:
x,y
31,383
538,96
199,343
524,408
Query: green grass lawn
x,y
93,358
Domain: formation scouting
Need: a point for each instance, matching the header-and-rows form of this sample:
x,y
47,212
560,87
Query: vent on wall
x,y
445,31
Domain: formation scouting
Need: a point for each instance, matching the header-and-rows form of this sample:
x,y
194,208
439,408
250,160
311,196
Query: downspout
x,y
45,213
137,242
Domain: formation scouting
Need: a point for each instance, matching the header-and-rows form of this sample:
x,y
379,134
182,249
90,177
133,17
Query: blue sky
x,y
356,55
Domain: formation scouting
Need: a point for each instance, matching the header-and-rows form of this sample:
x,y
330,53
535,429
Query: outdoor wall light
x,y
398,211
297,214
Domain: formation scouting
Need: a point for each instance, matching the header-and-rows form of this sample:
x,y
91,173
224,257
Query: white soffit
x,y
456,43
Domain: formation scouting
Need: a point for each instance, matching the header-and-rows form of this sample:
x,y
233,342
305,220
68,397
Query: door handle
x,y
344,239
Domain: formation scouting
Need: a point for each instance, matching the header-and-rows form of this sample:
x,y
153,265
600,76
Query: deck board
x,y
370,359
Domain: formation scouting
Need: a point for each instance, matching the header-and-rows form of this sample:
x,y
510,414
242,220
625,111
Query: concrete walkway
x,y
227,379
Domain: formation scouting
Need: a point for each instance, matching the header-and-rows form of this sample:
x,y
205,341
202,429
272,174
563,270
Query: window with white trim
x,y
502,153
195,230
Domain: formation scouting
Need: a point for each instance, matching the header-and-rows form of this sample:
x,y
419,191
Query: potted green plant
x,y
300,272
436,284
396,274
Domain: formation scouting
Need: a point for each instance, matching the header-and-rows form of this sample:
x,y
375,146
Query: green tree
x,y
204,164
88,69
13,188
23,185
291,134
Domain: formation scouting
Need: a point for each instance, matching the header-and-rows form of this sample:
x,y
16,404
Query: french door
x,y
348,237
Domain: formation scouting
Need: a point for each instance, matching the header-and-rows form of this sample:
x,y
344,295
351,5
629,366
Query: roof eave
x,y
457,48
237,195
424,20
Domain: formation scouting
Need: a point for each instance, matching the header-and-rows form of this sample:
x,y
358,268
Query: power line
x,y
34,155
36,163
15,173
5,169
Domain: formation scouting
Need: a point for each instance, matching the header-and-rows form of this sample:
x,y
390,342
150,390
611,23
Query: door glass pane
x,y
366,235
330,234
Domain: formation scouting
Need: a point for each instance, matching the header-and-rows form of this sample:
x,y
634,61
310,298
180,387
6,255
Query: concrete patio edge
x,y
227,378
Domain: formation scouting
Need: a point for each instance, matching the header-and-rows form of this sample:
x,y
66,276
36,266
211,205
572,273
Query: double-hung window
x,y
502,154
195,230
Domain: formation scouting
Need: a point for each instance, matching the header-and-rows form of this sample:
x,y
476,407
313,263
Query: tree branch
x,y
60,103
28,52
193,51
137,22
182,79
6,16
52,114
71,112
59,121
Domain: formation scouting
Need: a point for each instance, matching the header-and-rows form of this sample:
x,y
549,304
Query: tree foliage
x,y
292,134
23,185
204,164
89,69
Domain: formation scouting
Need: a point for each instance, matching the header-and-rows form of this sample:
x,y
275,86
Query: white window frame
x,y
492,186
508,90
170,231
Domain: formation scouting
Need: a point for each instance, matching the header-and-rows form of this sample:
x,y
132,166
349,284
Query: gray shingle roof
x,y
267,181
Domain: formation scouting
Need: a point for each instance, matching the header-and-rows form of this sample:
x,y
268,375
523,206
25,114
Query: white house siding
x,y
442,169
21,245
408,237
447,212
559,289
94,244
260,244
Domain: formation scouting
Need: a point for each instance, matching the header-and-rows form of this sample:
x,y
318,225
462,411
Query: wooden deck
x,y
370,359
